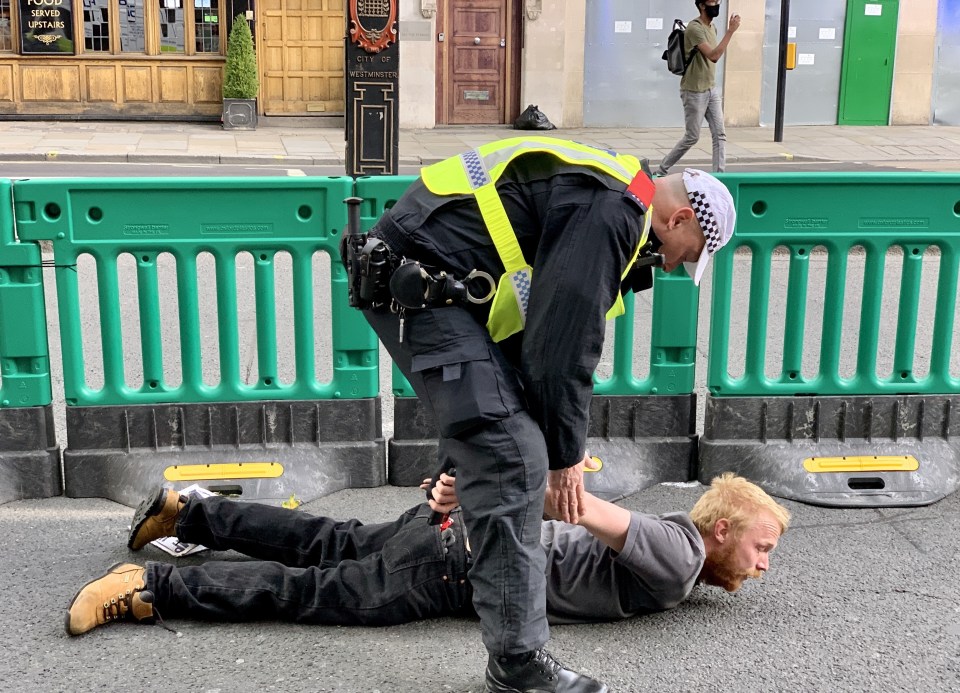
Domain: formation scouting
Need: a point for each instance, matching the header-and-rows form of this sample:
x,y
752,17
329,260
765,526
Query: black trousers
x,y
313,569
500,456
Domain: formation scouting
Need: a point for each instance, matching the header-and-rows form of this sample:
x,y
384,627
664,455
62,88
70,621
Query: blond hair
x,y
733,497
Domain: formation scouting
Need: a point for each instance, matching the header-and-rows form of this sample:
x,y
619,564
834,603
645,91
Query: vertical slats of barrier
x,y
793,332
907,319
946,302
188,308
870,314
259,437
832,438
643,429
149,294
266,318
29,455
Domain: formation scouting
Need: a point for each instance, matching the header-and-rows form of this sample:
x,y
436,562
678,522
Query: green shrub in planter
x,y
240,74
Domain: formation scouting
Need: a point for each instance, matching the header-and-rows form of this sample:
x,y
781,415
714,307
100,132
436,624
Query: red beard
x,y
719,569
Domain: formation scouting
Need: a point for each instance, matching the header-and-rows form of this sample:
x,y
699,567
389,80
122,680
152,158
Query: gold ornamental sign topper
x,y
373,24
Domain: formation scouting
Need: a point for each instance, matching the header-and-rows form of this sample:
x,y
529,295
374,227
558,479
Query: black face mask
x,y
713,11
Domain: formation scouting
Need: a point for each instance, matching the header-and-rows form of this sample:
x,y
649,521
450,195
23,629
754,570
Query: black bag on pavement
x,y
533,119
677,62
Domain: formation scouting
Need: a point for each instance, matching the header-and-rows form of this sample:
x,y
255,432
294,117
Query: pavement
x,y
162,142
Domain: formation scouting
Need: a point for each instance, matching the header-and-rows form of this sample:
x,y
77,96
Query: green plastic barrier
x,y
107,218
24,355
29,455
840,439
838,211
266,440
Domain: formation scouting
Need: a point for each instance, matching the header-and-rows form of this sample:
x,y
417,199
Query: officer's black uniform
x,y
507,412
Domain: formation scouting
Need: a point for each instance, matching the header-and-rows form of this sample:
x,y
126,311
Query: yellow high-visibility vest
x,y
476,173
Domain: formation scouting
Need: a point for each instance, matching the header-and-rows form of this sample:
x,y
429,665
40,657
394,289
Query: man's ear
x,y
681,216
721,530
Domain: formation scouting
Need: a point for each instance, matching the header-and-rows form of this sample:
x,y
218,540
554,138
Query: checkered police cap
x,y
713,206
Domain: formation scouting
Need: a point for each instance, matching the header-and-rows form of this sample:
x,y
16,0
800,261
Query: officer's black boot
x,y
536,672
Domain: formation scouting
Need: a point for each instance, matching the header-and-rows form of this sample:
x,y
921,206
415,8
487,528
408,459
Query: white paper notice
x,y
174,546
805,59
828,33
654,23
791,32
873,10
622,27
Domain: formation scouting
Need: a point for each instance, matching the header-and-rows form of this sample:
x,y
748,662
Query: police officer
x,y
505,263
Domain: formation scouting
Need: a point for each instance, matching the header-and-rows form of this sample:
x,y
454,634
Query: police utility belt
x,y
377,277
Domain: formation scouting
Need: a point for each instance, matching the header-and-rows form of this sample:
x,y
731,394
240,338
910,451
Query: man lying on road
x,y
615,564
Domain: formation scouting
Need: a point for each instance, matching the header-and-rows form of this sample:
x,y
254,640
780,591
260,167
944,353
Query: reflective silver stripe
x,y
476,169
500,156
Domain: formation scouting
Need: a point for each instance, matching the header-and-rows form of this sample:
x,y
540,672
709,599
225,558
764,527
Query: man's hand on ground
x,y
444,493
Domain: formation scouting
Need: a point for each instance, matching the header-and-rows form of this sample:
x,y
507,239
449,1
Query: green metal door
x,y
867,75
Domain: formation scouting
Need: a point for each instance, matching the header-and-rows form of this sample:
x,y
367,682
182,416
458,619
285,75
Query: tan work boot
x,y
156,518
118,595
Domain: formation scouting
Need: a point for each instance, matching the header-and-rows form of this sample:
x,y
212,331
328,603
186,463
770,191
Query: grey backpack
x,y
677,62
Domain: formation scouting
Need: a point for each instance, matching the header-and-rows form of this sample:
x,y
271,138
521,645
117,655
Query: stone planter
x,y
239,114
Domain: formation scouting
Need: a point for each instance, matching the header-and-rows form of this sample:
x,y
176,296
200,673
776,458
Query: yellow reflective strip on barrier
x,y
239,470
862,463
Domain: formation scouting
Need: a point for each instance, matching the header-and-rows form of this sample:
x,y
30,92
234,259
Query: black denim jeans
x,y
312,569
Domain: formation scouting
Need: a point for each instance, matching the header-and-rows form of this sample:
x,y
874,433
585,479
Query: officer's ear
x,y
681,217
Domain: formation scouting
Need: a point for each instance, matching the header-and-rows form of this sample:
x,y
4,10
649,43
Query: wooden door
x,y
301,56
473,62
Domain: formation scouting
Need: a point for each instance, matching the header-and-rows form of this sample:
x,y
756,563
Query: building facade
x,y
585,63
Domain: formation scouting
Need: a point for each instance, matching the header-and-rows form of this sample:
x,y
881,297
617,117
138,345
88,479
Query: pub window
x,y
6,34
207,26
96,26
131,26
100,26
172,36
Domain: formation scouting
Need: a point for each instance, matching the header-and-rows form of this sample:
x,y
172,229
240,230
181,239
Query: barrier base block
x,y
865,452
29,454
264,451
641,441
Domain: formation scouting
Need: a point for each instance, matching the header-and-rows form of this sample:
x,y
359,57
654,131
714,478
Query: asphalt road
x,y
856,600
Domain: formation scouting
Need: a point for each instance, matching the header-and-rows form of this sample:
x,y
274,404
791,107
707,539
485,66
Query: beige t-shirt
x,y
702,73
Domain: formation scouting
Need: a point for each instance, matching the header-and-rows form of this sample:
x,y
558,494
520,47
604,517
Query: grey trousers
x,y
696,106
498,450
